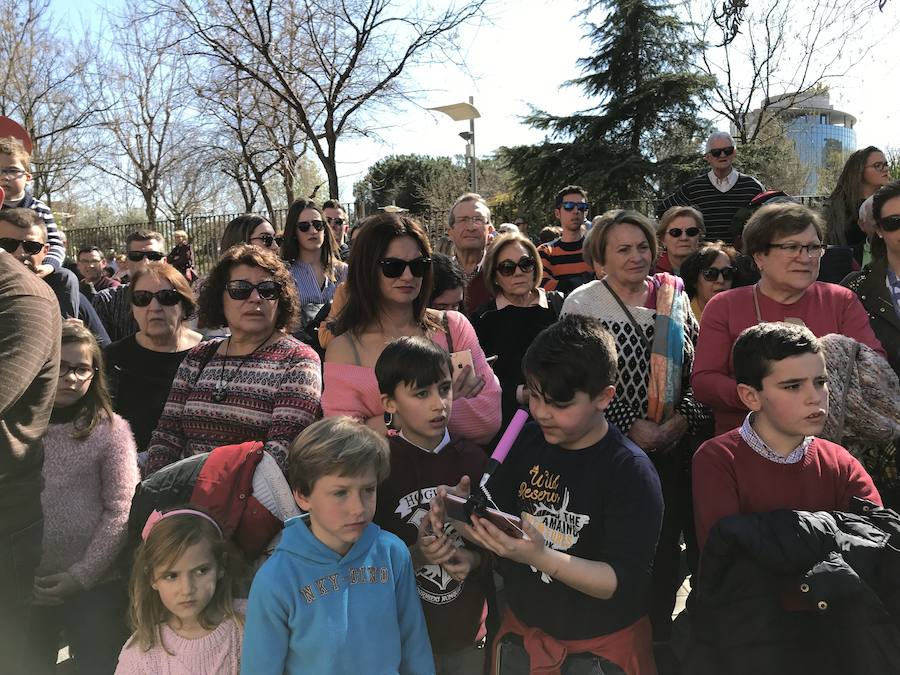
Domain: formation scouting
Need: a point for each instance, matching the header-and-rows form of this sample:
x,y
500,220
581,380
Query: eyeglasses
x,y
267,240
11,245
241,290
814,250
335,221
81,373
13,172
466,220
137,256
676,232
304,225
880,166
394,267
889,223
712,273
167,297
569,206
718,152
508,267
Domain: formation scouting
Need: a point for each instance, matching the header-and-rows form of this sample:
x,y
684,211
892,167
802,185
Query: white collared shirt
x,y
751,438
723,184
440,446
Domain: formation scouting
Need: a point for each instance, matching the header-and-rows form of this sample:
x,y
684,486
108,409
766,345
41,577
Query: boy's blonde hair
x,y
12,146
336,446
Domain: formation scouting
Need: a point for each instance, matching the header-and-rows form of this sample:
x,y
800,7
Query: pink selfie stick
x,y
506,442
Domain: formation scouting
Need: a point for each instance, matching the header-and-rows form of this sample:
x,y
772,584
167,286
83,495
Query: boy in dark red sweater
x,y
414,377
774,460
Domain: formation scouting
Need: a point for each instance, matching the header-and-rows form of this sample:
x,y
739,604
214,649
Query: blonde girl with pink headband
x,y
183,611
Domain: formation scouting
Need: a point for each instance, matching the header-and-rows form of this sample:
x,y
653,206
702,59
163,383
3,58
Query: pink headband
x,y
157,516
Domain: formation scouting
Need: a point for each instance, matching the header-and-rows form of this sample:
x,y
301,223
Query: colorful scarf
x,y
667,351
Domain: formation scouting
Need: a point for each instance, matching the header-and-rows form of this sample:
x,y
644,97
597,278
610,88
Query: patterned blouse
x,y
271,396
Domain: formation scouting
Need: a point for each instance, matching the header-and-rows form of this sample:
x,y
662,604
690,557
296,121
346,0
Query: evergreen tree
x,y
646,90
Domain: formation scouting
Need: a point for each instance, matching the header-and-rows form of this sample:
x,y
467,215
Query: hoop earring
x,y
388,420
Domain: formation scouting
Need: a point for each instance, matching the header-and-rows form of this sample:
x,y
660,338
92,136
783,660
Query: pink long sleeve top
x,y
825,308
352,390
88,486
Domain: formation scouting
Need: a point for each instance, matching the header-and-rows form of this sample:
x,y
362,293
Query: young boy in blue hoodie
x,y
339,594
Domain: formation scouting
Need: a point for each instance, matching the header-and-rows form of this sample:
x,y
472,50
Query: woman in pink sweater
x,y
388,287
90,472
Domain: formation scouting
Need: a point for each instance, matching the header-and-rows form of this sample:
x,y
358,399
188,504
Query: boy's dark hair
x,y
415,361
554,364
447,274
89,249
759,345
144,235
333,204
549,233
569,190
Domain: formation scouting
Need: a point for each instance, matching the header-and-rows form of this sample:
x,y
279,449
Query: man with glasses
x,y
112,304
336,218
718,194
564,265
469,221
90,266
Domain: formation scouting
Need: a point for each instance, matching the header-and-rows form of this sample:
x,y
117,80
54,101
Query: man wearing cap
x,y
719,193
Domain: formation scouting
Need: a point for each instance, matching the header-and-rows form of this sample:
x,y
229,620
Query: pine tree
x,y
646,91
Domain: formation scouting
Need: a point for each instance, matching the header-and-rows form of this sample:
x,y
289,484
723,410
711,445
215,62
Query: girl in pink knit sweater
x,y
90,471
185,618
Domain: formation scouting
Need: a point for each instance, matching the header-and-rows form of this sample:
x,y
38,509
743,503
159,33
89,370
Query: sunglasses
x,y
394,267
10,245
167,297
241,290
712,273
335,221
718,152
304,225
677,231
888,223
569,206
508,267
137,256
267,240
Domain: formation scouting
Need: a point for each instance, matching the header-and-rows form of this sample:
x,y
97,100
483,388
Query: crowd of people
x,y
285,465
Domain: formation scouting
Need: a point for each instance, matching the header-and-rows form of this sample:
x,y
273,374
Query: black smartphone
x,y
461,509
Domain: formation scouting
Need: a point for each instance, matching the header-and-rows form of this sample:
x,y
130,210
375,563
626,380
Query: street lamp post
x,y
460,112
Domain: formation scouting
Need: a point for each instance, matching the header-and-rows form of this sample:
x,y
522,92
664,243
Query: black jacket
x,y
838,572
870,286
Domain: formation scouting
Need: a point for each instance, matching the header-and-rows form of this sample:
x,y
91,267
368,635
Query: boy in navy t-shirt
x,y
578,587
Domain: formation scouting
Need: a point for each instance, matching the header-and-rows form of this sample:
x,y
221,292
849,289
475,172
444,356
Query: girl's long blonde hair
x,y
165,544
95,404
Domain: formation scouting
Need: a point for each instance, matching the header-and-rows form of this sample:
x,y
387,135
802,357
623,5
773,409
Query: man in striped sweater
x,y
564,265
718,194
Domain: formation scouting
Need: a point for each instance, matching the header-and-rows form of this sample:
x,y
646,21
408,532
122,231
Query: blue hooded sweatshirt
x,y
313,611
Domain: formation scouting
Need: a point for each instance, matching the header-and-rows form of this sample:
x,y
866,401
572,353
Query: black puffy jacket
x,y
795,592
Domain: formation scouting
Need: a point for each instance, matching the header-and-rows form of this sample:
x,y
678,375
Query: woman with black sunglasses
x,y
708,271
679,231
258,384
520,309
878,284
388,288
141,367
311,251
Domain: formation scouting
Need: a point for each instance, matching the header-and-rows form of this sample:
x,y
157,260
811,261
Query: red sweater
x,y
825,308
730,477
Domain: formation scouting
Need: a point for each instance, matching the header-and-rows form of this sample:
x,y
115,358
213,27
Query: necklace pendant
x,y
220,395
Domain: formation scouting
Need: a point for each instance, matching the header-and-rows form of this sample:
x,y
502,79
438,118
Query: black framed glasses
x,y
394,267
266,239
168,297
677,232
508,267
304,225
712,273
11,245
813,250
335,221
81,372
889,223
152,256
241,290
569,206
718,152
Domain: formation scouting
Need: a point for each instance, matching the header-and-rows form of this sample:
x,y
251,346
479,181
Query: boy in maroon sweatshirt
x,y
414,377
774,459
